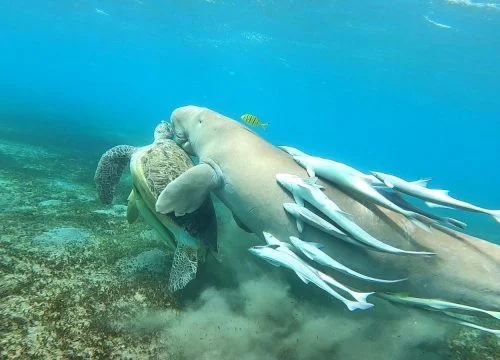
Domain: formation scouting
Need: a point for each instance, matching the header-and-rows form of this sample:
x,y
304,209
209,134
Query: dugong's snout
x,y
184,121
180,134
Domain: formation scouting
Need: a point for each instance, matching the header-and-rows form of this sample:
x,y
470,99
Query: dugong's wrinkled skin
x,y
464,270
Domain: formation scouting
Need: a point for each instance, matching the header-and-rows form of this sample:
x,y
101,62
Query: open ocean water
x,y
409,88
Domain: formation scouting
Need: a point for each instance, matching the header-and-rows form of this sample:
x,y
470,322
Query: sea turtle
x,y
152,168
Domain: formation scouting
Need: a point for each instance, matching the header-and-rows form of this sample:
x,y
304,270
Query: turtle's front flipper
x,y
132,210
110,169
186,193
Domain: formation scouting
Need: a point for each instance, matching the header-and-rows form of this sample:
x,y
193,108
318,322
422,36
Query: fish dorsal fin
x,y
312,181
434,205
440,191
302,278
421,182
316,245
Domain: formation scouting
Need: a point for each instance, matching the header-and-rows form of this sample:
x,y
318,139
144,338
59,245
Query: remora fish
x,y
459,320
397,199
482,328
313,252
437,304
287,248
431,196
101,12
347,178
292,151
304,215
282,246
303,271
308,190
372,180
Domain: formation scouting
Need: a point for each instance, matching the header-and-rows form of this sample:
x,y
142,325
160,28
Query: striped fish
x,y
253,120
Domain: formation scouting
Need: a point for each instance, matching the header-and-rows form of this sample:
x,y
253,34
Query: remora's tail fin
x,y
361,297
354,305
496,215
455,223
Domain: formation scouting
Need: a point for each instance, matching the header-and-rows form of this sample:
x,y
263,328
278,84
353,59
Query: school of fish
x,y
378,188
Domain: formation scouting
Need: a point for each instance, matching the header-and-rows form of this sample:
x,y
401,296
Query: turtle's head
x,y
163,131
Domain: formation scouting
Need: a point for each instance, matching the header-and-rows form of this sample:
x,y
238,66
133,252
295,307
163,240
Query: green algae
x,y
61,305
74,305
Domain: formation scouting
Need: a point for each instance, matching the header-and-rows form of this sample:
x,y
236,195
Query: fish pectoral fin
x,y
421,182
388,184
185,194
317,245
300,225
132,210
274,263
307,254
434,205
313,181
302,278
298,200
346,214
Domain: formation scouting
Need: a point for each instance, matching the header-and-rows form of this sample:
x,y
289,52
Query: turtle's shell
x,y
153,168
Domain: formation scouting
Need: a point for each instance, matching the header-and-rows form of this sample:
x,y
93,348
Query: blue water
x,y
405,87
374,84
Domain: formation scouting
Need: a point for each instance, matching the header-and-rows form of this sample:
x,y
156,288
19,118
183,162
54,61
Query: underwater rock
x,y
115,210
50,202
149,236
12,283
62,237
153,262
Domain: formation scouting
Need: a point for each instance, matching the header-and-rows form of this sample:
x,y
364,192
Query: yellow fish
x,y
253,120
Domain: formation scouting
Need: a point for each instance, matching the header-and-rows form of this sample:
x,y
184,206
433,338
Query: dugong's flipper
x,y
186,193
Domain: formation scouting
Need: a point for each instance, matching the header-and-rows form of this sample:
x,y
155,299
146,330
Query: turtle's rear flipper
x,y
184,267
186,193
110,169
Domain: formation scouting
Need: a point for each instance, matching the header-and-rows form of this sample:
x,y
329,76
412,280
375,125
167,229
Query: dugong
x,y
240,168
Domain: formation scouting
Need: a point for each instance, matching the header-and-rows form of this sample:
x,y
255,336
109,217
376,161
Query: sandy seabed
x,y
78,282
